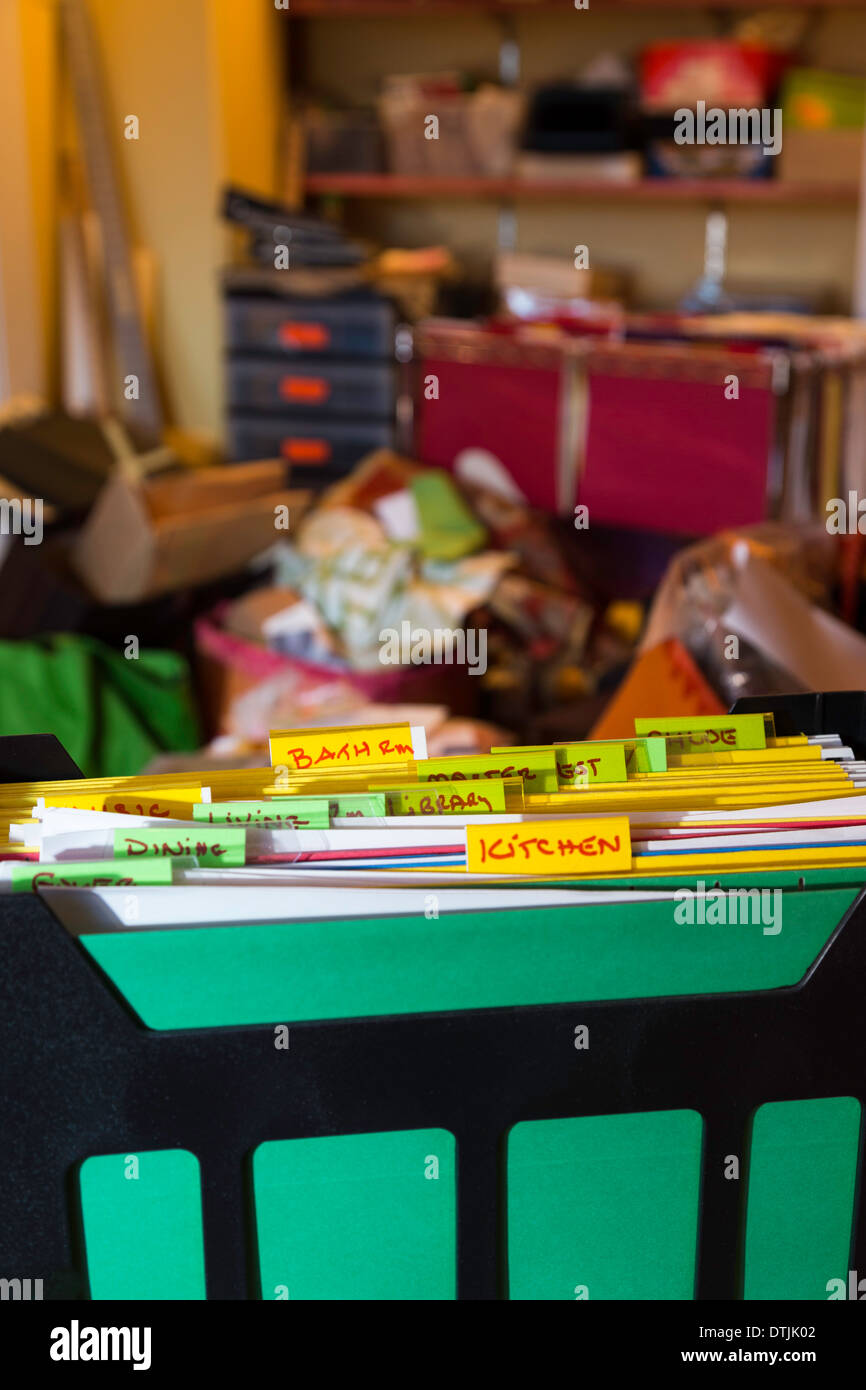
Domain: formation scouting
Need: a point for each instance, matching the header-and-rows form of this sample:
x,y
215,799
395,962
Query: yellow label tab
x,y
176,803
304,749
589,845
147,804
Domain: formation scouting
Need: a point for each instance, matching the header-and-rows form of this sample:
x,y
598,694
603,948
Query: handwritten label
x,y
224,847
29,878
301,749
427,800
583,764
685,734
177,804
596,846
536,768
291,812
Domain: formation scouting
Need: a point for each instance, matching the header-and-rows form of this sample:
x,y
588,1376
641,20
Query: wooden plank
x,y
343,9
641,190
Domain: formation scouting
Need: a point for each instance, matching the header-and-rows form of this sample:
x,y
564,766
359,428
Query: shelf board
x,y
758,191
341,9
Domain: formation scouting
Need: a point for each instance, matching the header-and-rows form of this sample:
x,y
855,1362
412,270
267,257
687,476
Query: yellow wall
x,y
39,67
203,78
249,46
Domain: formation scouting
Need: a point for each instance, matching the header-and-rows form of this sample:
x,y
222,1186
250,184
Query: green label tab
x,y
368,804
688,734
277,813
101,873
645,755
591,761
425,800
583,763
223,846
537,768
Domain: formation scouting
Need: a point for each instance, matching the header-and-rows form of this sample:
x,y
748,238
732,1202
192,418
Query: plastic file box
x,y
537,1104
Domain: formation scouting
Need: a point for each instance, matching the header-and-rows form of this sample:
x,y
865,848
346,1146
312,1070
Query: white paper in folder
x,y
84,910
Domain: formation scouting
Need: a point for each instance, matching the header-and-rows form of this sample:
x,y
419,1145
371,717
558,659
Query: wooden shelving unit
x,y
510,22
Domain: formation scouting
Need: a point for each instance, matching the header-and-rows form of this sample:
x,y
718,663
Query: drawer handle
x,y
305,388
306,450
307,335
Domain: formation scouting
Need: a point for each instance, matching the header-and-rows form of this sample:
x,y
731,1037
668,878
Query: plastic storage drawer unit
x,y
359,325
312,386
318,449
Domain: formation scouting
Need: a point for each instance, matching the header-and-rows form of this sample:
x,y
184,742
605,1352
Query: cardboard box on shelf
x,y
147,537
823,115
821,156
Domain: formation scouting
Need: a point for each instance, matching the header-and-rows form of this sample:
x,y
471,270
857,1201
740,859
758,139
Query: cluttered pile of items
x,y
402,586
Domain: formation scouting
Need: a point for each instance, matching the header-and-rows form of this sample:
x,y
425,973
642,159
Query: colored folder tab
x,y
362,804
101,873
577,846
303,749
535,767
583,764
333,782
220,846
428,800
133,801
306,812
645,755
686,733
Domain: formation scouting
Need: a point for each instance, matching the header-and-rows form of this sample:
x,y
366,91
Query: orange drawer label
x,y
304,388
307,335
306,450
